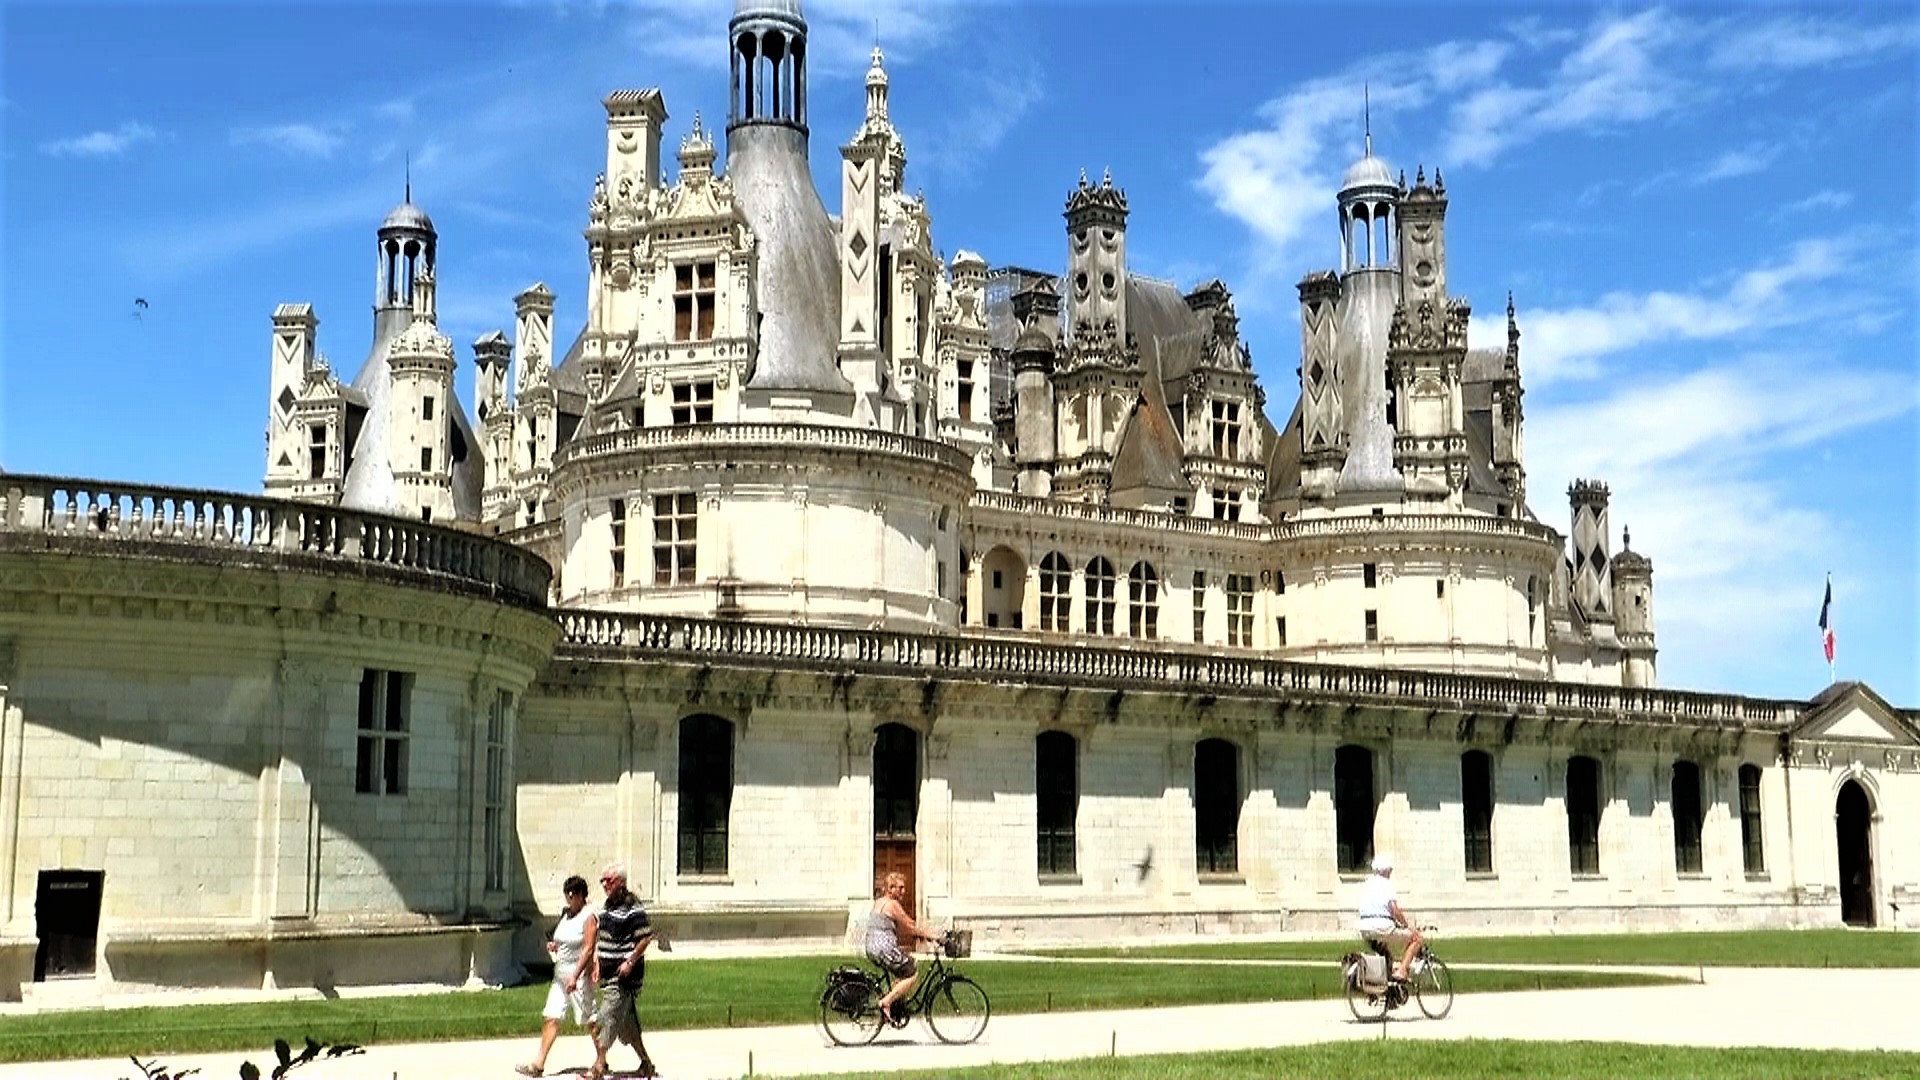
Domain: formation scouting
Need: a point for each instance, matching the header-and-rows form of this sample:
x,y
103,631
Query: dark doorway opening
x,y
896,806
1853,821
66,913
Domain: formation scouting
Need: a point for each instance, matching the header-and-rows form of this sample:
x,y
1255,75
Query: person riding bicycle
x,y
1383,921
888,928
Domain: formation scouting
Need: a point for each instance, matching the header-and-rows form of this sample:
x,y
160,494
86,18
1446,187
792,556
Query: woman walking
x,y
572,989
617,939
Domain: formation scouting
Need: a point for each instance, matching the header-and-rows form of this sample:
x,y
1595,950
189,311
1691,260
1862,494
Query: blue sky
x,y
1706,215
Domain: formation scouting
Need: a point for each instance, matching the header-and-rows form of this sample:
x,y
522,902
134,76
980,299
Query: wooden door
x,y
896,806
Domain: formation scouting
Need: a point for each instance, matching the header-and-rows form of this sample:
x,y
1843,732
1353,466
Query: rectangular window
x,y
1199,606
1583,816
426,459
1240,610
1100,597
1440,588
1178,411
316,451
1226,504
1181,506
617,512
1056,584
1752,845
706,794
1686,817
693,403
1355,806
693,299
499,735
380,765
966,390
426,407
1373,625
1476,809
1280,583
1369,575
1280,632
1057,799
1226,429
675,524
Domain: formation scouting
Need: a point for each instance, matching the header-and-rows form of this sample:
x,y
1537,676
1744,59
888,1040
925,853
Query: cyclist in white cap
x,y
1383,920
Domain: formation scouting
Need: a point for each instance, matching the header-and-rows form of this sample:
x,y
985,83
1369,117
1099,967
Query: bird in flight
x,y
139,307
1145,865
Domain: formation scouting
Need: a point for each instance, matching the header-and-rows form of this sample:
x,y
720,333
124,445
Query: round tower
x,y
406,243
1033,411
1369,205
768,44
1633,612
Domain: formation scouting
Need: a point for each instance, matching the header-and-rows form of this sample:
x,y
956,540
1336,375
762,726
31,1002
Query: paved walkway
x,y
1821,1009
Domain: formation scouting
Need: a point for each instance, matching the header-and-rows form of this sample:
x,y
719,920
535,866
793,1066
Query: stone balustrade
x,y
64,509
1355,525
1162,666
770,436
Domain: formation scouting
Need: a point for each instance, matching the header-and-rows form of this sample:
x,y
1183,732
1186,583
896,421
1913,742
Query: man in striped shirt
x,y
618,941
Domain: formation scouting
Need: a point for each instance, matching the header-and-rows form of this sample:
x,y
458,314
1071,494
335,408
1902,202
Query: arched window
x,y
1686,817
1752,843
1476,809
706,793
1353,807
1056,590
1583,815
1216,807
1143,601
1100,602
1056,787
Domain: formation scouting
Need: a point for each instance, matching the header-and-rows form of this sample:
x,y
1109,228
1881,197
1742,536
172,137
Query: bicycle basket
x,y
958,944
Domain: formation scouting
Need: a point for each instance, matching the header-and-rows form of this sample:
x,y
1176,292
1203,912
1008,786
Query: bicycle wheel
x,y
851,1013
1364,1006
957,1010
1433,985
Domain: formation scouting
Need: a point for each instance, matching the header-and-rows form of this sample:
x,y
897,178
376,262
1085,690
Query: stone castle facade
x,y
812,556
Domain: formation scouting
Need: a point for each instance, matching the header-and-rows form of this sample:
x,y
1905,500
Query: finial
x,y
1083,178
1509,305
409,189
1106,177
1419,175
1366,115
1626,538
1439,184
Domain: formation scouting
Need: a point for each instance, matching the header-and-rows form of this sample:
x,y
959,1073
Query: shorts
x,y
895,960
619,1013
1394,937
559,1002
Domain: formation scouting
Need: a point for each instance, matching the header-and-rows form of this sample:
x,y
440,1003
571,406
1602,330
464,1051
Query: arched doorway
x,y
1003,588
1853,822
896,805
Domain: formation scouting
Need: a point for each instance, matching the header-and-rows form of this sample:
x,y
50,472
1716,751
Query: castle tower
x,y
306,417
1633,613
1370,267
536,407
964,359
862,269
768,64
419,443
1219,409
1592,561
1426,355
1323,435
1507,417
1096,257
635,119
492,357
1033,409
407,245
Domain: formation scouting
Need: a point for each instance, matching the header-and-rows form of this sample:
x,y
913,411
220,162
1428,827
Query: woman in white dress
x,y
572,989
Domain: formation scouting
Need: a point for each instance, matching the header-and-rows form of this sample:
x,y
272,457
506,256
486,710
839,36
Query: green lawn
x,y
1745,948
685,994
1472,1058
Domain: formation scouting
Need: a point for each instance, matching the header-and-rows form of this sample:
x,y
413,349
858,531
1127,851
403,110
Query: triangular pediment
x,y
1851,712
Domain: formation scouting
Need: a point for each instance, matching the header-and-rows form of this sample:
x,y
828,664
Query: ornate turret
x,y
1096,257
1507,419
1592,583
1633,612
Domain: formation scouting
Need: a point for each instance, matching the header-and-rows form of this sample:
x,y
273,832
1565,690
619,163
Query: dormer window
x,y
693,300
1226,429
693,403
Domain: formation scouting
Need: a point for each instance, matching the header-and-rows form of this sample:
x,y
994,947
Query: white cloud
x,y
1694,462
1796,42
1824,199
1568,343
399,110
1736,163
101,144
967,135
298,139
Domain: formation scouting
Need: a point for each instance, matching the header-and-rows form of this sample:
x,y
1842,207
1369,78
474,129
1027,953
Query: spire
x,y
877,88
1366,117
407,195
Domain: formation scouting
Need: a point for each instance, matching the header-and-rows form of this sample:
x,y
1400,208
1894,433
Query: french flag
x,y
1826,626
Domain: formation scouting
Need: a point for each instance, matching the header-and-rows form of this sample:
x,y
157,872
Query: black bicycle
x,y
954,1006
1371,994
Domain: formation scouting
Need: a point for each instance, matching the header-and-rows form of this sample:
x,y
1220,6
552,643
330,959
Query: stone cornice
x,y
717,446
